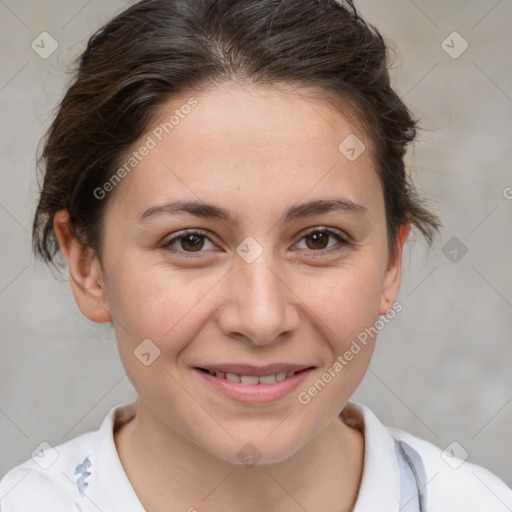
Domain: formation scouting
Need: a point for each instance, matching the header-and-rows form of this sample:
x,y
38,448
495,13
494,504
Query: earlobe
x,y
85,275
393,275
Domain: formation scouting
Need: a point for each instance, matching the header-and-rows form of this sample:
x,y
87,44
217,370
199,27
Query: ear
x,y
85,274
393,275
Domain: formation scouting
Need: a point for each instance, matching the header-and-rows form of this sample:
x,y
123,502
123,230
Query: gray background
x,y
442,368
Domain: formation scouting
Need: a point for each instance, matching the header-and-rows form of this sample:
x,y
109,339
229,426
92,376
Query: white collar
x,y
108,457
380,485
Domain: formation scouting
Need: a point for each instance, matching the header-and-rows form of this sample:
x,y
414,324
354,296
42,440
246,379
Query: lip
x,y
255,393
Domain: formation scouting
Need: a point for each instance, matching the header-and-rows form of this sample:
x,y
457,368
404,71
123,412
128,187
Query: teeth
x,y
250,380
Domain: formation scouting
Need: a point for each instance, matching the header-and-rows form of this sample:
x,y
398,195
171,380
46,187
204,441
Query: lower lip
x,y
255,393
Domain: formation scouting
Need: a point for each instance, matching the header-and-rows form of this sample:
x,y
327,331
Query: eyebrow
x,y
210,211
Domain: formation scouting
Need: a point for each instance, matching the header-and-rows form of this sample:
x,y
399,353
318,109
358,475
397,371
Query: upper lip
x,y
258,371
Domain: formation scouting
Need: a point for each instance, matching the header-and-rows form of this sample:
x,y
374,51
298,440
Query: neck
x,y
167,471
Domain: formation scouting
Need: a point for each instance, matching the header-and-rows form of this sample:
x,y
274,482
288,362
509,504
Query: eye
x,y
317,240
189,242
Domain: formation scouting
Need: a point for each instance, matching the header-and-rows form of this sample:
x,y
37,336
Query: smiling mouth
x,y
251,380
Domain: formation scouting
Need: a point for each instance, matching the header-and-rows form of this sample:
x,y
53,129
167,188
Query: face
x,y
272,281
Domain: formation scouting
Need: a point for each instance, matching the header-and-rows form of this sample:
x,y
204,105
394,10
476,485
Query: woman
x,y
225,180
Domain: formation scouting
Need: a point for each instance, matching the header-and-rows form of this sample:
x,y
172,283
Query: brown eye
x,y
189,242
318,241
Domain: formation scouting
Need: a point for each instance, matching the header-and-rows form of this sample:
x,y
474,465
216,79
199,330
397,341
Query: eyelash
x,y
320,252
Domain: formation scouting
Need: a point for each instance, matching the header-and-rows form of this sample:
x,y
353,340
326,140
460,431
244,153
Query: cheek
x,y
155,303
346,299
346,305
157,315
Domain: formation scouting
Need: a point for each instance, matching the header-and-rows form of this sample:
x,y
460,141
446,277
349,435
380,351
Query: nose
x,y
259,305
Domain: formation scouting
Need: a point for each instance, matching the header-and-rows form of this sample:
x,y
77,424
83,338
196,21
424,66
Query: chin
x,y
258,449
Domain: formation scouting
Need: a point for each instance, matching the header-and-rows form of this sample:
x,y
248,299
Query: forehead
x,y
277,118
249,145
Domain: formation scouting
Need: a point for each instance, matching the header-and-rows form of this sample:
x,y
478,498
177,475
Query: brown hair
x,y
157,48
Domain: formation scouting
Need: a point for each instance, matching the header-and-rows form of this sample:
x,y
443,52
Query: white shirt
x,y
85,474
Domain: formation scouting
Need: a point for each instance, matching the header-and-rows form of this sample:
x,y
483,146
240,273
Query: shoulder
x,y
44,482
452,483
25,489
78,475
446,483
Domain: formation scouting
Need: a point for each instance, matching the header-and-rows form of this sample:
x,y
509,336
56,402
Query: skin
x,y
256,152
